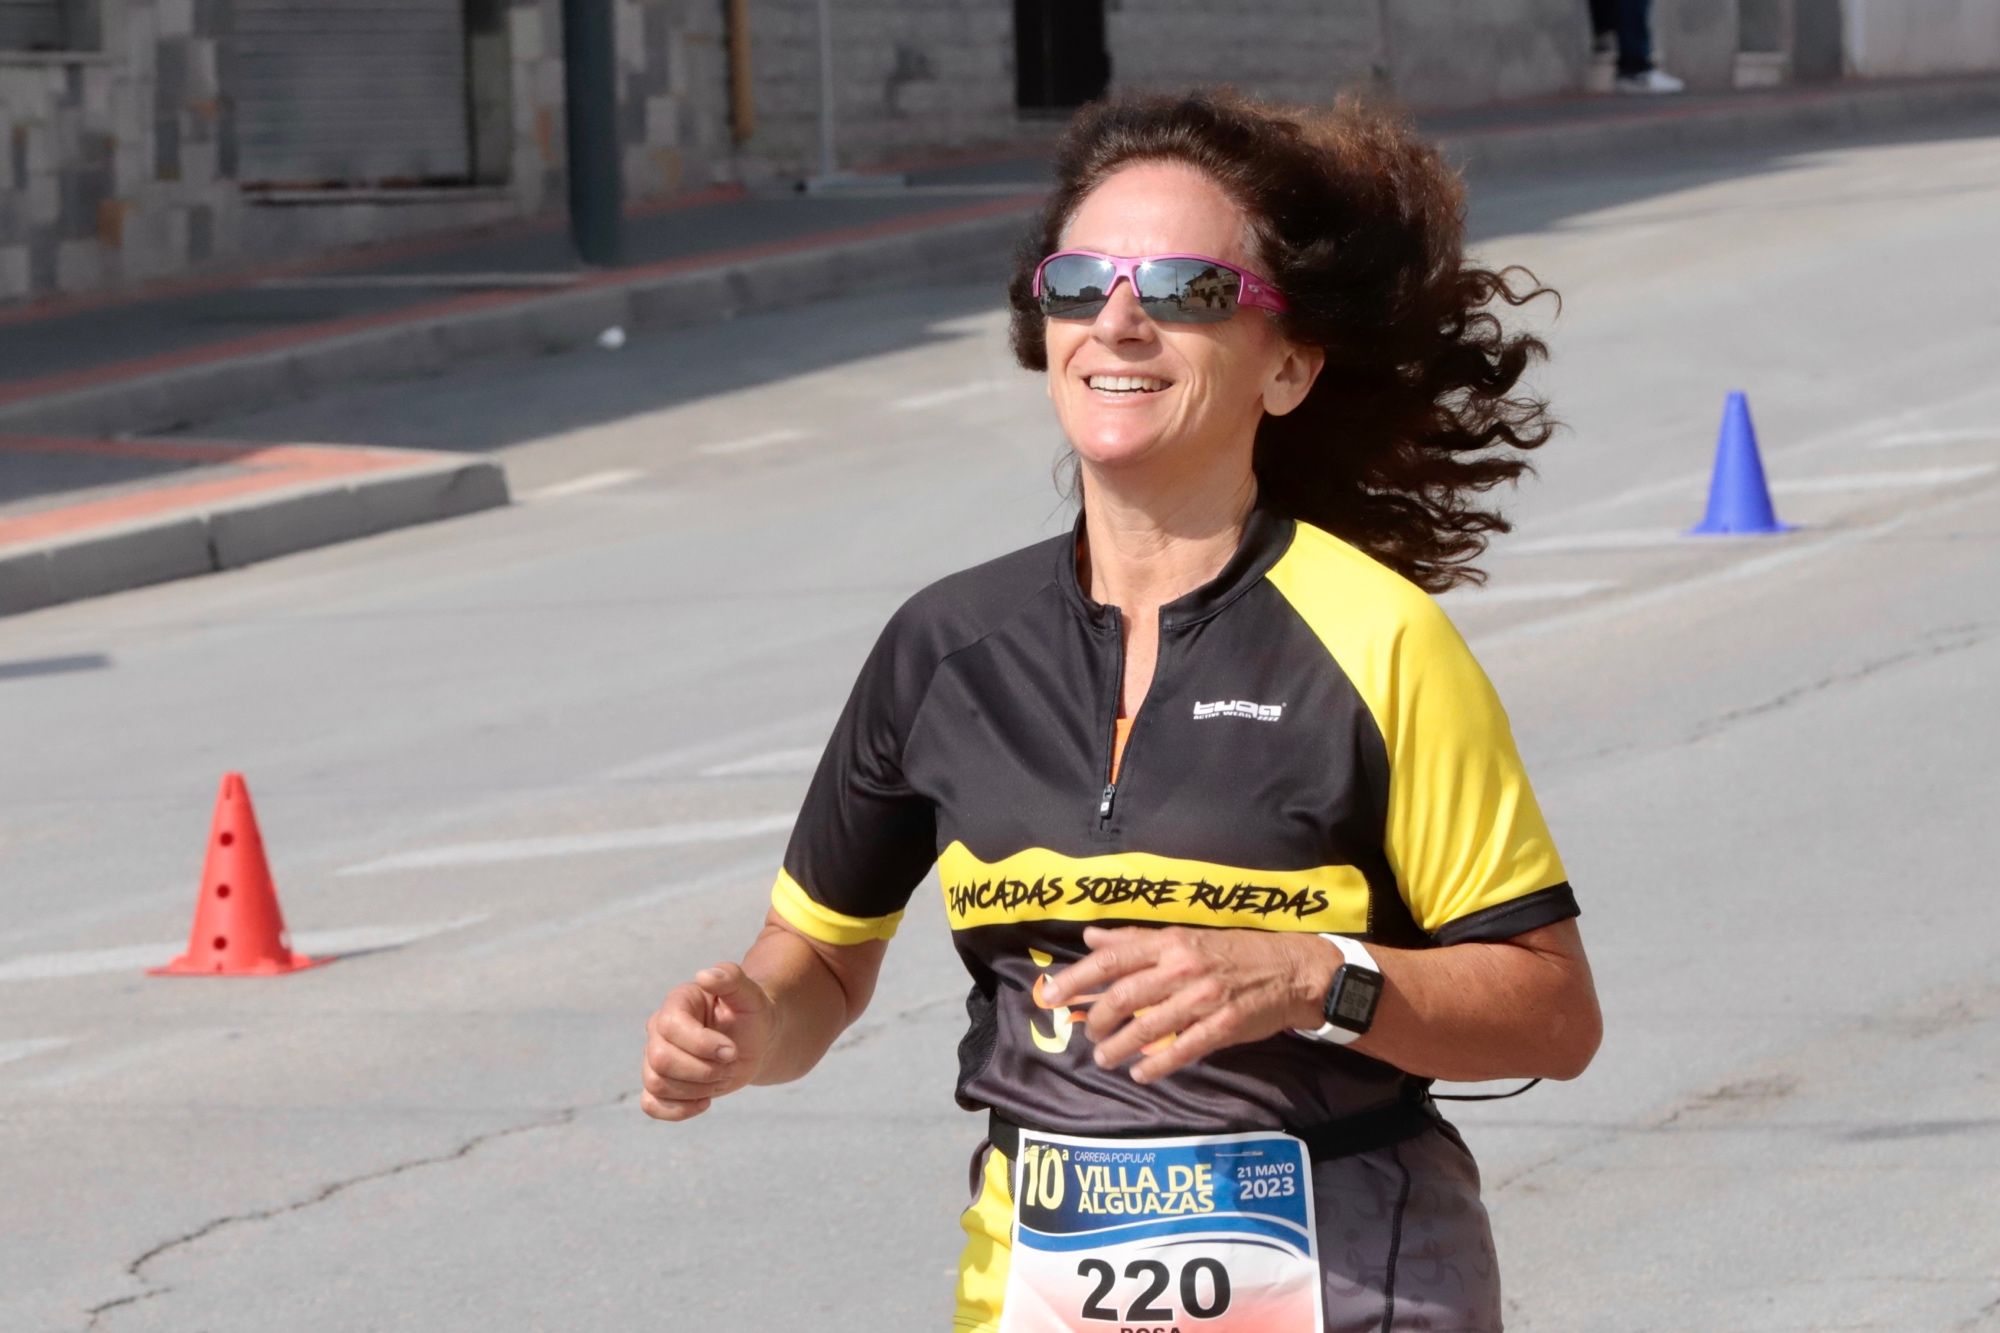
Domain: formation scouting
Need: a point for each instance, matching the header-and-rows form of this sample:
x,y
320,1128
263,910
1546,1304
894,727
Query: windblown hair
x,y
1361,226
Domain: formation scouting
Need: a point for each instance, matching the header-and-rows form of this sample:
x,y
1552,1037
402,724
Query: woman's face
x,y
1202,388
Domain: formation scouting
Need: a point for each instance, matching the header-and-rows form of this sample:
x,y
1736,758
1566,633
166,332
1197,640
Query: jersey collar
x,y
1266,537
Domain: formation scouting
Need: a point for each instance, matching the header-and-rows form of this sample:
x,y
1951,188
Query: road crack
x,y
136,1269
1934,644
1937,643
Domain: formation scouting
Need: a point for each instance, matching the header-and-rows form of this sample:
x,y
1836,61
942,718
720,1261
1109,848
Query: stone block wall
x,y
1426,53
1283,50
673,94
1447,53
673,98
909,75
118,164
115,164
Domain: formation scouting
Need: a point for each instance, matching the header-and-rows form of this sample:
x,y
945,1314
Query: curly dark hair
x,y
1361,225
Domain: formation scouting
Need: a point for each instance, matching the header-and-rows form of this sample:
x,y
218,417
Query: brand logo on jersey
x,y
1065,1019
1239,708
1062,1018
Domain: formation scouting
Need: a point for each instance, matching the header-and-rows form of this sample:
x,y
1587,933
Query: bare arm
x,y
1519,1008
817,991
768,1019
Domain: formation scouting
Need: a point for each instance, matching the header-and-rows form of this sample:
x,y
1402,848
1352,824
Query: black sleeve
x,y
864,840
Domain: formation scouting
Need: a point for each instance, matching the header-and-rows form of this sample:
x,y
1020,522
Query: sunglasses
x,y
1173,289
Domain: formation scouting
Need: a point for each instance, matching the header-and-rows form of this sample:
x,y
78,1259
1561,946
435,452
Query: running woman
x,y
1231,829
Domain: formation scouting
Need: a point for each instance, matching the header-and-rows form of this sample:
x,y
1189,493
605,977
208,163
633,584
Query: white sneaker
x,y
1652,81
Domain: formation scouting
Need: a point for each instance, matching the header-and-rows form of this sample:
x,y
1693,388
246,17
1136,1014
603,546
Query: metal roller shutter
x,y
31,25
353,92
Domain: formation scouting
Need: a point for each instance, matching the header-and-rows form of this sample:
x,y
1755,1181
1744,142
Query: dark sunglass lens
x,y
1075,286
1188,291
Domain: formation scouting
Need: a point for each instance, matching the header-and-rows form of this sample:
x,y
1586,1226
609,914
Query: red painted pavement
x,y
275,467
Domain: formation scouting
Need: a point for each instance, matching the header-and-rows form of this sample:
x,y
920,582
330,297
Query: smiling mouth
x,y
1122,385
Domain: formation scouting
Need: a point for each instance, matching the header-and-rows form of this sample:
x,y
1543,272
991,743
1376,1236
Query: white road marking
x,y
68,1073
506,850
1917,438
916,402
1530,592
751,873
359,939
801,760
88,962
1854,432
138,957
594,481
684,757
1624,539
21,1049
1917,479
783,435
1788,553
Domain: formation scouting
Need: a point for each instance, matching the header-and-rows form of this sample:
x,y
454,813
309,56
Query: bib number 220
x,y
1204,1289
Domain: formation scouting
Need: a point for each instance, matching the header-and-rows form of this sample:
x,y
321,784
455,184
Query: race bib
x,y
1213,1232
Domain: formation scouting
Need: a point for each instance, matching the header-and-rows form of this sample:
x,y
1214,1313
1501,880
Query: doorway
x,y
1060,57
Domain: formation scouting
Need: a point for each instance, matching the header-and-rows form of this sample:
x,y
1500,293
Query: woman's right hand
x,y
707,1040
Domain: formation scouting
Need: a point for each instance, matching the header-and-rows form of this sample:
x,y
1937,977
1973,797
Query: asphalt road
x,y
529,768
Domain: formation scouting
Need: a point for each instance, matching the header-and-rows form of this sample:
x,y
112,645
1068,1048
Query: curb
x,y
1834,110
678,295
229,535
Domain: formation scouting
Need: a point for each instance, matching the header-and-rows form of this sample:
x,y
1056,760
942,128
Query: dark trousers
x,y
1632,20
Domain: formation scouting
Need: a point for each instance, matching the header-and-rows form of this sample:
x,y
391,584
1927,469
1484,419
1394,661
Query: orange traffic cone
x,y
238,930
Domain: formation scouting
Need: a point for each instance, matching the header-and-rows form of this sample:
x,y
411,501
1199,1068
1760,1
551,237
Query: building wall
x,y
114,164
909,75
117,165
1286,50
118,162
1901,38
1447,53
1697,40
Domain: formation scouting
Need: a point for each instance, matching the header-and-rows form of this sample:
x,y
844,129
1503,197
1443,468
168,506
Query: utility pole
x,y
830,176
590,102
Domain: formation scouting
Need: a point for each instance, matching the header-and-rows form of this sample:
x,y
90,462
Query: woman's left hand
x,y
1175,994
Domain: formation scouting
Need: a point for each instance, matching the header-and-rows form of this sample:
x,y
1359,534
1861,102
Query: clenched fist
x,y
708,1039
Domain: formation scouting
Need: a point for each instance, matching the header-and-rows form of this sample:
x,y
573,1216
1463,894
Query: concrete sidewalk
x,y
136,512
75,371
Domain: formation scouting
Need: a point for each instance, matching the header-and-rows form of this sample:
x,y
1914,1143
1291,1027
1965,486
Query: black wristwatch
x,y
1349,1008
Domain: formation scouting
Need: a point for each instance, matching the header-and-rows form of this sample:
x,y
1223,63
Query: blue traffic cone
x,y
1739,500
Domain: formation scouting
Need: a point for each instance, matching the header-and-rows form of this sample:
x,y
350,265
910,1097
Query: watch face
x,y
1356,991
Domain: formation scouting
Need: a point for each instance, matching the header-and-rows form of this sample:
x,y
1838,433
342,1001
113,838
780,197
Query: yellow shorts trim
x,y
989,1242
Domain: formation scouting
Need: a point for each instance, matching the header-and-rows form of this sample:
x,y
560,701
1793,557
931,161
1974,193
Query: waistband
x,y
1361,1132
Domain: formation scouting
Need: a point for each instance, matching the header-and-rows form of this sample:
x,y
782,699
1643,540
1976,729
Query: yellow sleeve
x,y
1464,834
1462,831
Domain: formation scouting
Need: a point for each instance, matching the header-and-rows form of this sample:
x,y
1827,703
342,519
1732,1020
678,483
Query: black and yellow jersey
x,y
1318,751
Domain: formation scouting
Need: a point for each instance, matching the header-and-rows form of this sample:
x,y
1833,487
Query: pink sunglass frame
x,y
1251,289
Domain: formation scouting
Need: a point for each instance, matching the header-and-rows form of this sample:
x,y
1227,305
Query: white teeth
x,y
1126,383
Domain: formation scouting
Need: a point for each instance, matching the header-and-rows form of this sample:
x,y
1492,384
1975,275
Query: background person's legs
x,y
1603,18
1635,35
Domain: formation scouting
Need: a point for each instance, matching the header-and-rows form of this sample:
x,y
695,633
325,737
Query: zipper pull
x,y
1104,804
